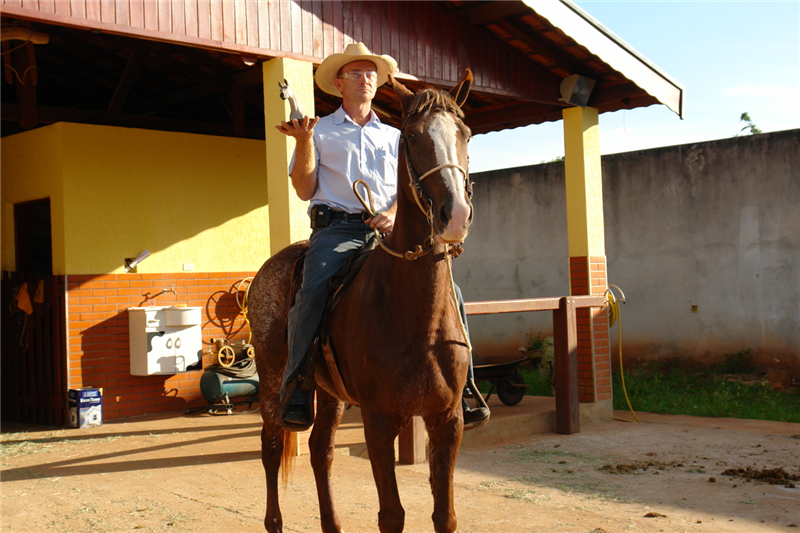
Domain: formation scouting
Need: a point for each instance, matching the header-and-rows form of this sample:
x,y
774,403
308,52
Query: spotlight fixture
x,y
576,90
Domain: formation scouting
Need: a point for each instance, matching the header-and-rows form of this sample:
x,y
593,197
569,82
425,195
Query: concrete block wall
x,y
703,238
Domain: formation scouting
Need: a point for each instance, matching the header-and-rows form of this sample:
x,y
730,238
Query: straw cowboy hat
x,y
326,72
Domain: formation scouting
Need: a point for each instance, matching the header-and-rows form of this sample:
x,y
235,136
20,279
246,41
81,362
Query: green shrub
x,y
538,381
740,362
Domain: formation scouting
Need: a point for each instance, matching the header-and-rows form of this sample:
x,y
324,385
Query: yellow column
x,y
584,182
288,218
587,249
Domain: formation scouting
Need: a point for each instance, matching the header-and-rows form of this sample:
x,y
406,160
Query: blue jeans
x,y
328,250
463,312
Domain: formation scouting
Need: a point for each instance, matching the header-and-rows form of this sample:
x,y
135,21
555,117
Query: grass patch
x,y
538,381
677,387
682,386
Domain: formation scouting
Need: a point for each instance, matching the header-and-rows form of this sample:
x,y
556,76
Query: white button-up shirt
x,y
346,152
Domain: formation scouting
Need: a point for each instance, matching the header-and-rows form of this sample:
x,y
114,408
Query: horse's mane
x,y
428,99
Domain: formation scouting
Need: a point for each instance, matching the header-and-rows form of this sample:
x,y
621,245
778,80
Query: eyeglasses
x,y
356,75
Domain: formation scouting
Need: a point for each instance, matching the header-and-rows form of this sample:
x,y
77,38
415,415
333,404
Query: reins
x,y
409,255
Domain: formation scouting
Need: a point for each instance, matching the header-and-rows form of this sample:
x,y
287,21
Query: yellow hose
x,y
243,305
614,316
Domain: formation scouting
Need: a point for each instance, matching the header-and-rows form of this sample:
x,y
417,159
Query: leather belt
x,y
322,215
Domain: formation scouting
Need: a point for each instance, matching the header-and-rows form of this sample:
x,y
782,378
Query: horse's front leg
x,y
445,439
329,414
271,450
379,432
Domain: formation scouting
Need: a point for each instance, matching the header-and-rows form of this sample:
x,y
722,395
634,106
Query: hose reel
x,y
227,354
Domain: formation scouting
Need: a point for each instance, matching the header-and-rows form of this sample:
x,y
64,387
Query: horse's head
x,y
286,92
434,141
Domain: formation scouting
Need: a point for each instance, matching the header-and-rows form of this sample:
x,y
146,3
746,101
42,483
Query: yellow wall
x,y
31,169
189,199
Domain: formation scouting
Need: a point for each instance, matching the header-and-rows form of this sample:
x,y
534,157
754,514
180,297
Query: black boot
x,y
474,418
297,410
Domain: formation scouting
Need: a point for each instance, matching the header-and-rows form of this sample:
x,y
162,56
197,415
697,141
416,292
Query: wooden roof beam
x,y
602,95
525,32
519,123
483,118
129,75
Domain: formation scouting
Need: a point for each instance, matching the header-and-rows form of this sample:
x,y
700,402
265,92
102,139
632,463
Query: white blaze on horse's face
x,y
443,131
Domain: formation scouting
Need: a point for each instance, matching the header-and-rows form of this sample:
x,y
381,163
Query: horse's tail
x,y
287,457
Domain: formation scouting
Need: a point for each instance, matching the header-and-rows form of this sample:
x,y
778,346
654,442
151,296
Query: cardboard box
x,y
85,407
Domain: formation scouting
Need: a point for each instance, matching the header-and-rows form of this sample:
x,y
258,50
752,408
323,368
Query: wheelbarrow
x,y
503,373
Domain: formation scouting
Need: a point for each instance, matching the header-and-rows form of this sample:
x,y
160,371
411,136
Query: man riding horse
x,y
331,154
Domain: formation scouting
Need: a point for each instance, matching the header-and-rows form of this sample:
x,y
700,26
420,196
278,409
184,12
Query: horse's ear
x,y
461,90
402,92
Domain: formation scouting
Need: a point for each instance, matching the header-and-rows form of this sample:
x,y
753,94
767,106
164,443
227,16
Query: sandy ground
x,y
203,474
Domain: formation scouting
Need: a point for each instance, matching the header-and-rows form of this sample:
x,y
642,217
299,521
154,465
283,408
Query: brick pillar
x,y
587,262
588,277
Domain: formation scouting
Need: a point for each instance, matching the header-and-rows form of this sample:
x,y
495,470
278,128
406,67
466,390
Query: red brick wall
x,y
588,277
98,353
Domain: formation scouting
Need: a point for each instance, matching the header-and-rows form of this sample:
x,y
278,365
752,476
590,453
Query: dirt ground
x,y
202,473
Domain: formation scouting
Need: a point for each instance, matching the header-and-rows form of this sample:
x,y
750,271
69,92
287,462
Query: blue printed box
x,y
85,407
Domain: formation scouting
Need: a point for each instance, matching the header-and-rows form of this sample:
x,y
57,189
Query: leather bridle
x,y
415,180
421,198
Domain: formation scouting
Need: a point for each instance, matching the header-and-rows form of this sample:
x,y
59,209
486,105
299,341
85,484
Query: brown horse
x,y
396,332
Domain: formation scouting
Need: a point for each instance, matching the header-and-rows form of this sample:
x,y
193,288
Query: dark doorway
x,y
32,237
33,366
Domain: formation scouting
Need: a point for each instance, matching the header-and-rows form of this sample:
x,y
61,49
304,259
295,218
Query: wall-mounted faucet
x,y
148,296
164,291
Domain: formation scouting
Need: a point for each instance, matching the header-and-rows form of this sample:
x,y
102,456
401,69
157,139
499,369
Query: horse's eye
x,y
412,138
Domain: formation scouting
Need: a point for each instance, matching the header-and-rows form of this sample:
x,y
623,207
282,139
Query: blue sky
x,y
731,57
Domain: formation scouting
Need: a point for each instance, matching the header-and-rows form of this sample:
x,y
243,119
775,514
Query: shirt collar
x,y
340,116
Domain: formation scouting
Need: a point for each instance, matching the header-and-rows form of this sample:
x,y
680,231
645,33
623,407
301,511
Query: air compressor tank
x,y
240,379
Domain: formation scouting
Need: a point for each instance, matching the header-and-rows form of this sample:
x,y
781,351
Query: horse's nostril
x,y
444,218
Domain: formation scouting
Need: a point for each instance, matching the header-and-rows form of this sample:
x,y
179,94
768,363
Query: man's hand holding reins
x,y
384,220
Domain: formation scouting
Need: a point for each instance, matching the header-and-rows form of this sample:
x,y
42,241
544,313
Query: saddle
x,y
321,347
